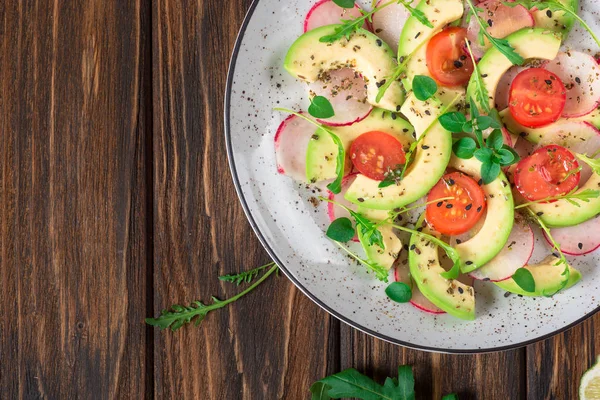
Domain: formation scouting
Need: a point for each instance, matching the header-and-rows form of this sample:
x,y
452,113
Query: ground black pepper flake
x,y
404,130
360,199
450,182
424,147
578,80
458,241
548,82
398,109
417,35
427,112
539,214
418,251
490,22
507,294
480,182
393,116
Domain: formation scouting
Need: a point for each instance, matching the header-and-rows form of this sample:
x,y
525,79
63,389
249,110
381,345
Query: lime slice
x,y
589,388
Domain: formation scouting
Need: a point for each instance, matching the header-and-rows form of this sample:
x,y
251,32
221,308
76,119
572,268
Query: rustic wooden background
x,y
116,200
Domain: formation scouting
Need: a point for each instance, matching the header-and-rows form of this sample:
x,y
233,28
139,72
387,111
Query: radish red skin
x,y
582,234
319,6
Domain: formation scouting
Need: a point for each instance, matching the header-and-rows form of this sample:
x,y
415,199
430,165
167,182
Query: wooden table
x,y
116,201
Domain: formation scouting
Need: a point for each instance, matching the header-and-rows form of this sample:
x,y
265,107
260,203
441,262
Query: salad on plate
x,y
449,134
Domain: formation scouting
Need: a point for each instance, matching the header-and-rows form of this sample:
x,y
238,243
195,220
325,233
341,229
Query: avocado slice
x,y
415,36
561,213
557,21
450,295
547,276
496,228
308,59
529,43
429,164
439,12
321,157
375,254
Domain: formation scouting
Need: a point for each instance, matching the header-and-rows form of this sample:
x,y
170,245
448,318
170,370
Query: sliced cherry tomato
x,y
548,172
458,215
446,60
375,153
537,97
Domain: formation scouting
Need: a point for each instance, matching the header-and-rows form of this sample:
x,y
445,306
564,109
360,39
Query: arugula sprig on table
x,y
554,6
351,383
320,107
180,315
350,26
502,45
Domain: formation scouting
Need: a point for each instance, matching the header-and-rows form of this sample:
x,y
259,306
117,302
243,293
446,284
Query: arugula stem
x,y
393,215
587,194
581,21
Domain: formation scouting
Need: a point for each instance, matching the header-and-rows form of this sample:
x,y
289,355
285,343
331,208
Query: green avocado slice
x,y
308,59
496,228
529,43
558,21
375,254
430,161
547,276
450,295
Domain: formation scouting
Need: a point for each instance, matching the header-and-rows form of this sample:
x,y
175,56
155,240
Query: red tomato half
x,y
375,153
537,97
548,172
447,62
456,216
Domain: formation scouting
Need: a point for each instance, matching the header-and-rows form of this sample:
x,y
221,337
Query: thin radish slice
x,y
346,91
579,239
515,254
291,142
503,19
326,12
388,24
503,90
580,74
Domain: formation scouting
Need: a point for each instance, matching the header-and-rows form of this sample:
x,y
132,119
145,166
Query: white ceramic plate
x,y
292,229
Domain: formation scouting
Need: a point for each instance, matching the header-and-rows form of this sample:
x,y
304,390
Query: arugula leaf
x,y
501,44
344,3
418,14
399,292
489,171
341,230
320,107
336,185
464,147
453,121
554,6
245,277
481,93
593,163
424,87
524,279
495,140
179,315
350,26
571,197
351,383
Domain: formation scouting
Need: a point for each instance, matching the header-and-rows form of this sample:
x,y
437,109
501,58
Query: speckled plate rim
x,y
290,276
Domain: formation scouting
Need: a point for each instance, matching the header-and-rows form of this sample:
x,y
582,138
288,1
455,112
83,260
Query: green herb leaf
x,y
336,186
481,93
484,155
319,391
464,147
489,171
485,121
453,121
468,127
524,279
385,183
451,396
400,292
495,140
593,163
320,107
344,3
180,315
351,383
341,230
418,14
245,277
507,157
424,87
350,26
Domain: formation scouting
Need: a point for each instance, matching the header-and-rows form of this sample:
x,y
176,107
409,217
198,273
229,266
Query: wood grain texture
x,y
72,170
257,348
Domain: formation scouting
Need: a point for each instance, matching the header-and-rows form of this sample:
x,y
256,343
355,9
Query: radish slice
x,y
388,24
291,142
515,254
581,75
503,90
326,12
577,240
346,91
503,19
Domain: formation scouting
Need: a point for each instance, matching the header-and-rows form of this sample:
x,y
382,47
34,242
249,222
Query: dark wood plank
x,y
555,366
486,376
72,202
273,343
